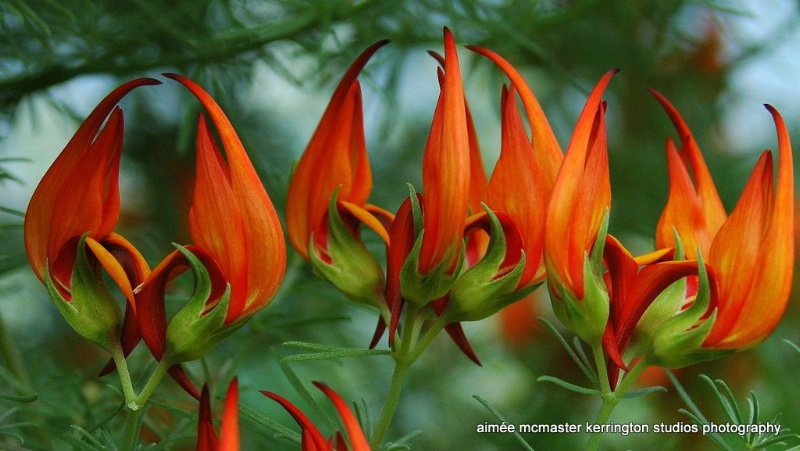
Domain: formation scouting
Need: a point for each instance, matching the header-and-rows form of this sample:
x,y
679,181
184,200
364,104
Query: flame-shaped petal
x,y
521,188
79,193
232,216
446,171
335,158
581,196
752,253
693,227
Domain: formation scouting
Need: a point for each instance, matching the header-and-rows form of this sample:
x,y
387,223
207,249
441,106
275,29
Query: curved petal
x,y
713,210
521,188
581,195
446,170
358,441
336,157
753,253
683,212
265,252
43,206
543,139
311,434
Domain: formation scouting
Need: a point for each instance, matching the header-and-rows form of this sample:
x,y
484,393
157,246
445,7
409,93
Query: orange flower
x,y
633,284
520,187
750,252
313,440
693,209
581,197
239,257
446,171
79,196
228,439
335,159
575,225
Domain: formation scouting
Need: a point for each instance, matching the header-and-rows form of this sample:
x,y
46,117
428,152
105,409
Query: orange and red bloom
x,y
750,251
574,235
69,229
239,255
228,438
312,438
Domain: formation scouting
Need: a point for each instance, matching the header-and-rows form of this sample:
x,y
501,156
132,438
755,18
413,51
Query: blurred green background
x,y
272,65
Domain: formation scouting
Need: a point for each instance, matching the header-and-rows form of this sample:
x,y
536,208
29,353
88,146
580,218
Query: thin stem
x,y
428,337
152,383
392,399
135,403
131,431
602,372
408,352
611,399
124,376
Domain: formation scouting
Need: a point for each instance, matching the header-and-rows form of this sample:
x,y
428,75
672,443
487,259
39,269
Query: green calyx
x,y
352,268
92,311
422,289
478,293
587,317
195,329
666,305
678,341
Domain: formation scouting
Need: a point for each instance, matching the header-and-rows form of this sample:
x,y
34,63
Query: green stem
x,y
611,399
131,431
411,347
152,383
124,376
136,403
392,399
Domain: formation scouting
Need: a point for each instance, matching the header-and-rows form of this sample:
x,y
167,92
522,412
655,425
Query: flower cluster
x,y
238,256
465,247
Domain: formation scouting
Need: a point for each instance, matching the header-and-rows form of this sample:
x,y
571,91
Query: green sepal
x,y
421,289
678,342
191,334
478,293
665,306
586,317
599,246
92,312
353,270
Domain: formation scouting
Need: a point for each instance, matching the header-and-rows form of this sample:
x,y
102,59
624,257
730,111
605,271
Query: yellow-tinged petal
x,y
110,261
45,231
683,212
713,210
581,195
753,253
446,170
335,158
